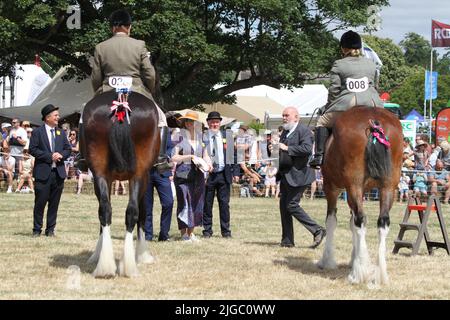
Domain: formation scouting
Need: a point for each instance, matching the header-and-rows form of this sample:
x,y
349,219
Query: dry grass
x,y
251,265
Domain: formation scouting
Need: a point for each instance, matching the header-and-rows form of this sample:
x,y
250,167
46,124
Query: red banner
x,y
440,34
442,126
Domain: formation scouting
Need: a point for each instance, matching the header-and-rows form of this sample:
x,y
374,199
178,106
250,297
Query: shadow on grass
x,y
263,243
307,266
64,261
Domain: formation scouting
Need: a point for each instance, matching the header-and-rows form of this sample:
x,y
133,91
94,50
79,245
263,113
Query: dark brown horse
x,y
357,162
117,150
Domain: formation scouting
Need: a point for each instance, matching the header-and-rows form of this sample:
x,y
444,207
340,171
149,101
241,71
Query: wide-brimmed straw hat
x,y
420,143
191,115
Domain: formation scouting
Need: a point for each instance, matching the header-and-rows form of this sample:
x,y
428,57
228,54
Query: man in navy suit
x,y
159,179
50,147
219,179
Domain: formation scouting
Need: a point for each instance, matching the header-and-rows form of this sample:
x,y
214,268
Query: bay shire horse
x,y
357,159
118,150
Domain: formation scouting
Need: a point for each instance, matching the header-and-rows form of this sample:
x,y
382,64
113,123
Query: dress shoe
x,y
227,235
50,234
207,235
286,245
318,237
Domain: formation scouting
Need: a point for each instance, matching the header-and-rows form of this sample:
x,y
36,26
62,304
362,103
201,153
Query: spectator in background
x,y
433,157
6,127
440,181
407,148
117,185
7,168
83,176
17,140
75,148
420,184
29,133
444,155
270,179
421,155
26,171
403,186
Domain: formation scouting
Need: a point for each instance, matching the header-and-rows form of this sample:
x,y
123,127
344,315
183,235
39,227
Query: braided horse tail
x,y
378,152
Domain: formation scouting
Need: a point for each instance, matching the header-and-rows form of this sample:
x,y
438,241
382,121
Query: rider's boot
x,y
80,160
162,163
321,135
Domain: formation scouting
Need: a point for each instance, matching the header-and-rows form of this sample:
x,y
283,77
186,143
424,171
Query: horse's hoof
x,y
145,258
130,271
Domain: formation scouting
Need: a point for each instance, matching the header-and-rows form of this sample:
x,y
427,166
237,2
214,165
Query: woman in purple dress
x,y
189,178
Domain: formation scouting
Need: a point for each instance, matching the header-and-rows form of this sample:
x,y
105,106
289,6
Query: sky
x,y
403,16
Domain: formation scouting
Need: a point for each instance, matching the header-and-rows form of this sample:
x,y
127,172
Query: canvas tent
x,y
70,96
257,102
414,115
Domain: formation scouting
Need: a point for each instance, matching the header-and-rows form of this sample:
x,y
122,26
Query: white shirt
x,y
49,137
11,162
218,159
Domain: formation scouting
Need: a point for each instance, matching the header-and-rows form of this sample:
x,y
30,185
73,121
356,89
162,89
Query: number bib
x,y
119,82
357,85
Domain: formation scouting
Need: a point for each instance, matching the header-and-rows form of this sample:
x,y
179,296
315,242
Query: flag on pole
x,y
434,76
440,34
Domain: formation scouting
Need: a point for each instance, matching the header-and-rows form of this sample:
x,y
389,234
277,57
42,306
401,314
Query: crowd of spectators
x,y
425,171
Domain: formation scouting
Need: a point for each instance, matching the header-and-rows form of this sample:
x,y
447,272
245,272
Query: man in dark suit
x,y
220,177
295,148
50,148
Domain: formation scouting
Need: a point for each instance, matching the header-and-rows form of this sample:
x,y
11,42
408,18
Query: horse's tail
x,y
378,156
121,146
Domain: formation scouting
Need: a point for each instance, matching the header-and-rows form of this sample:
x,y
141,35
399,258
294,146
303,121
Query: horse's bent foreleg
x,y
361,267
106,266
386,201
143,254
128,267
328,261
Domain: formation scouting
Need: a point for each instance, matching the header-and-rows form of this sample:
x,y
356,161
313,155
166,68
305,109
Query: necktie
x,y
214,152
53,139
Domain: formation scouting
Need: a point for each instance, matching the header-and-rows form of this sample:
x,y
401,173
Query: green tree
x,y
395,69
410,94
195,44
417,50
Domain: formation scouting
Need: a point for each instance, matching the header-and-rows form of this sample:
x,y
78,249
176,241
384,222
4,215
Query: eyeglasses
x,y
72,133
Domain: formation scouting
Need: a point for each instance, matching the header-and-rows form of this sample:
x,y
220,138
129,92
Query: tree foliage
x,y
395,69
410,95
195,44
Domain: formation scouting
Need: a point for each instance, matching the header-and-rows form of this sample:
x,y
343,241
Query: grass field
x,y
251,265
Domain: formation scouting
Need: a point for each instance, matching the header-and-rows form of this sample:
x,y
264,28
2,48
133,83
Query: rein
x,y
378,133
